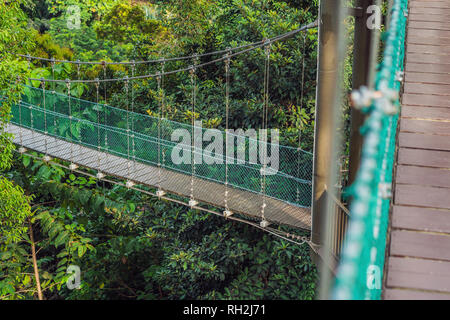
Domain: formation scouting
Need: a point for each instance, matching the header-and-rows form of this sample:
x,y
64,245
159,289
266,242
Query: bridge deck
x,y
418,265
239,201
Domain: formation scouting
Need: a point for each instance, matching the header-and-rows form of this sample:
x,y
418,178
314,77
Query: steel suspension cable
x,y
259,45
217,52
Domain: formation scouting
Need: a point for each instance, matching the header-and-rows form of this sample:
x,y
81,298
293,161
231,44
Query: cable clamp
x,y
363,97
227,213
47,158
73,166
264,223
192,203
267,171
385,190
192,70
100,175
22,150
195,58
160,193
129,184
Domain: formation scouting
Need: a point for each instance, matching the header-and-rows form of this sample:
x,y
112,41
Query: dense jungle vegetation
x,y
129,245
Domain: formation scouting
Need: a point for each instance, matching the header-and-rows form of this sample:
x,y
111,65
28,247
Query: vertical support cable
x,y
21,148
72,165
79,100
160,83
52,63
126,82
133,146
267,49
227,211
105,111
46,157
299,148
158,80
192,201
100,175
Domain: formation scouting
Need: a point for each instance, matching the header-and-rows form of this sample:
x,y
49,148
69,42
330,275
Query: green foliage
x,y
14,212
130,246
124,23
14,207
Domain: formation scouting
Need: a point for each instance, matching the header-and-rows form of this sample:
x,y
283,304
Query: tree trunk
x,y
36,271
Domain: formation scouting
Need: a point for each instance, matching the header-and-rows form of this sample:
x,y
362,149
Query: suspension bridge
x,y
139,148
397,238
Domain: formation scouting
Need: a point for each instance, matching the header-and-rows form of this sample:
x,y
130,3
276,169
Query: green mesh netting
x,y
104,128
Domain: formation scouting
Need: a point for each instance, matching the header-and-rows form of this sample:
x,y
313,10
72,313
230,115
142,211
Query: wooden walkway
x,y
205,191
418,262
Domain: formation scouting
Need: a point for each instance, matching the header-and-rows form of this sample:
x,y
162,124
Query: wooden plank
x,y
427,67
420,77
442,10
418,274
420,39
416,244
422,196
205,191
430,33
430,113
413,99
423,141
428,58
423,48
428,25
408,294
429,17
425,176
427,88
428,3
419,157
422,219
436,127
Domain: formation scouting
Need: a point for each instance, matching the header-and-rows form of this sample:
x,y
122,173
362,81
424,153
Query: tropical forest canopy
x,y
129,245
